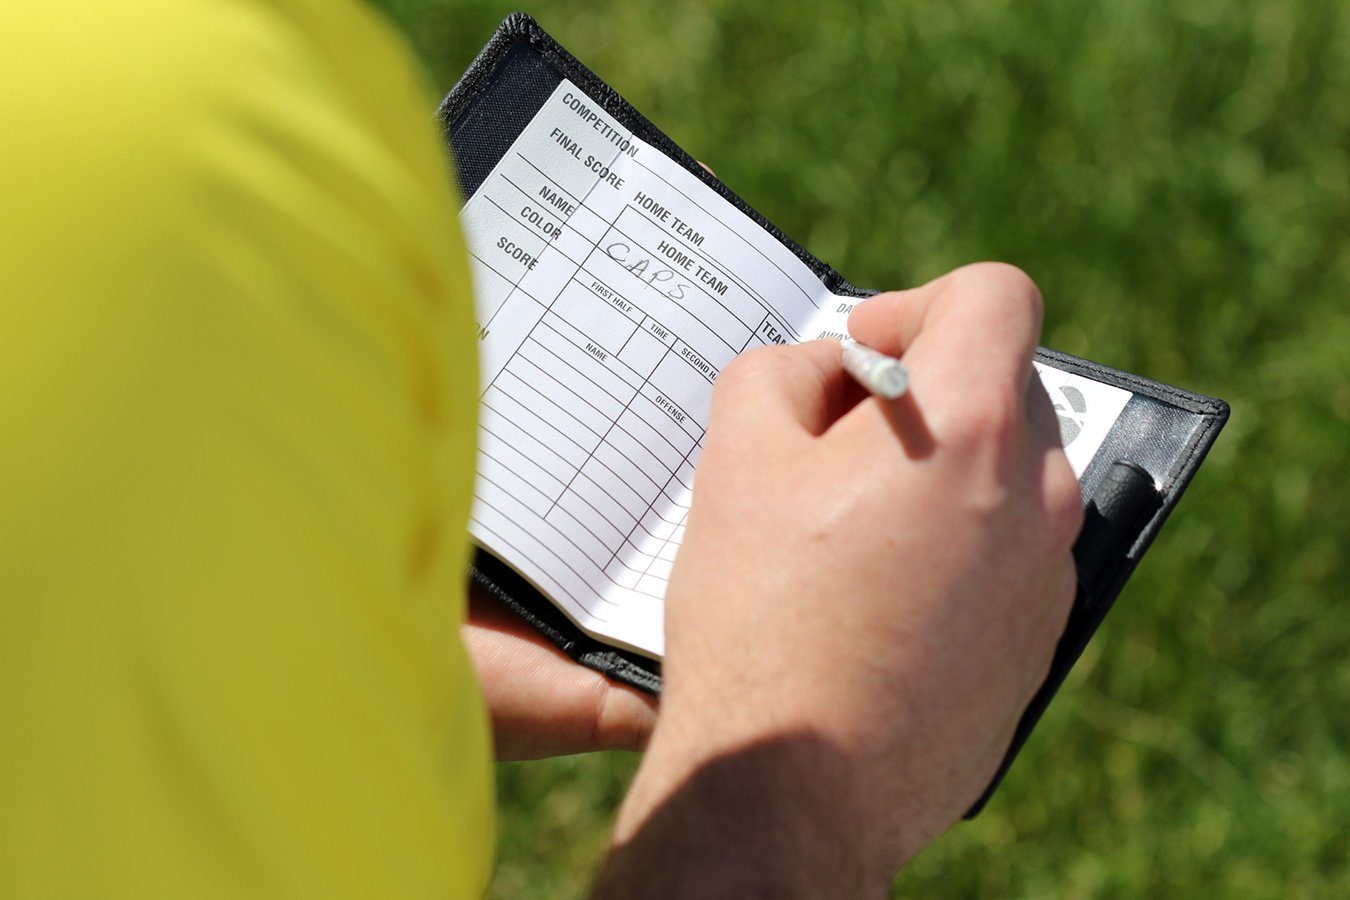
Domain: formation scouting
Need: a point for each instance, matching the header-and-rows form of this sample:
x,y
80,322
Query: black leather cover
x,y
1129,489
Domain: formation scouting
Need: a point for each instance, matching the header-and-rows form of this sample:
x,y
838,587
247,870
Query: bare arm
x,y
868,595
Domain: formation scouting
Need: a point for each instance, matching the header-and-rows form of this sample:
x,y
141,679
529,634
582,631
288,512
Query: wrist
x,y
780,813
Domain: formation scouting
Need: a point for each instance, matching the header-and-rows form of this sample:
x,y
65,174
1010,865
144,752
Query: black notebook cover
x,y
1132,484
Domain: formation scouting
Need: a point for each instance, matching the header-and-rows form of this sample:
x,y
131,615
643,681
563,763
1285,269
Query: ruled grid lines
x,y
598,376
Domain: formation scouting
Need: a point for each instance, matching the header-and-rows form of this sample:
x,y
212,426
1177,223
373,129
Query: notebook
x,y
614,280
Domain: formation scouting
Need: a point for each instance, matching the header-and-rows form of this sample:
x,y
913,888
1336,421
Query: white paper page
x,y
1086,410
612,287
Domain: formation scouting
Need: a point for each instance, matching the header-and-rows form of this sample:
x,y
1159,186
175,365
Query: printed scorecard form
x,y
612,286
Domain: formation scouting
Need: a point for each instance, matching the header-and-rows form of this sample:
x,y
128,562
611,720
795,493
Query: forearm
x,y
772,818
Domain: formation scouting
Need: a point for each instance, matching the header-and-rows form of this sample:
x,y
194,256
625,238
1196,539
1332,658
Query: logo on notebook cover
x,y
1073,416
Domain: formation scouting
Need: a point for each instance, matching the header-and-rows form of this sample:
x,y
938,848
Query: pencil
x,y
885,376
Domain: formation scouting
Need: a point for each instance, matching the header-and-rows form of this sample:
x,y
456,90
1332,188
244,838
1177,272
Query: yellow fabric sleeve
x,y
237,385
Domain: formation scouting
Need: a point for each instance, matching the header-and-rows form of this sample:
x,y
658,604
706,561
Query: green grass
x,y
1175,175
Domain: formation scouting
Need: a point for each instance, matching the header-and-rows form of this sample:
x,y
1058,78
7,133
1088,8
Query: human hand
x,y
868,594
542,702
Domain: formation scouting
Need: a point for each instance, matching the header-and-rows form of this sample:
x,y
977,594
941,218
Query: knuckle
x,y
1003,278
614,724
1005,283
1064,504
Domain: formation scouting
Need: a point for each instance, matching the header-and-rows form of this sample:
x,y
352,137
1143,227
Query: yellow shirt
x,y
236,446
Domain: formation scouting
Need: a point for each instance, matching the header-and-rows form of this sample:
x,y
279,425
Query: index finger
x,y
976,326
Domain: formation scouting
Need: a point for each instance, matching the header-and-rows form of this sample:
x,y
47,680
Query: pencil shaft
x,y
885,376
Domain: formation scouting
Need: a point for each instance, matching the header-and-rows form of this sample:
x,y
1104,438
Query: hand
x,y
542,702
868,595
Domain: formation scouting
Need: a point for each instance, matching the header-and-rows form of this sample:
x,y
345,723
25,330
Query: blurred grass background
x,y
1175,175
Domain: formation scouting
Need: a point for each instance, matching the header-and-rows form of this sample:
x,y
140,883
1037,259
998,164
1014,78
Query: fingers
x,y
802,388
978,325
542,702
890,322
